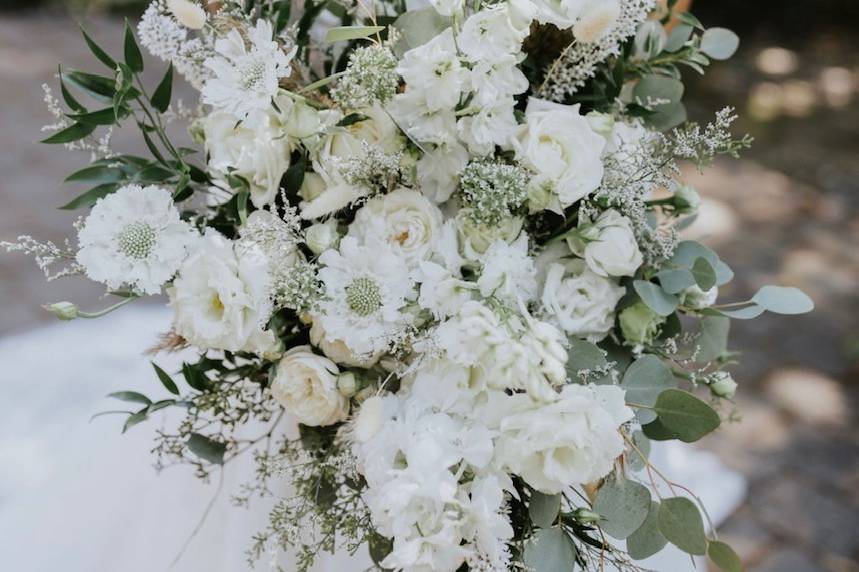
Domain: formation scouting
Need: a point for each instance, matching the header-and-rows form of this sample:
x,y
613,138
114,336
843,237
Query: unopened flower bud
x,y
686,200
723,385
585,516
65,311
347,384
322,236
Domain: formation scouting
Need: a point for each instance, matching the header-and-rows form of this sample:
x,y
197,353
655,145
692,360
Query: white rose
x,y
580,301
559,145
322,236
610,248
220,299
337,350
305,384
572,441
561,13
478,236
404,219
297,119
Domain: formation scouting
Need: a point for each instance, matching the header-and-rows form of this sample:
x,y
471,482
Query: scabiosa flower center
x,y
364,296
137,240
253,74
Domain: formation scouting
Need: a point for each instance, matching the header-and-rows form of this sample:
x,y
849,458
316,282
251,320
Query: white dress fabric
x,y
77,495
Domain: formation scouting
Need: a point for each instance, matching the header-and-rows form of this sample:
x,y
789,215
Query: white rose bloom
x,y
435,71
439,169
339,351
613,250
305,384
220,299
477,236
404,219
572,441
508,272
597,19
134,237
581,302
559,145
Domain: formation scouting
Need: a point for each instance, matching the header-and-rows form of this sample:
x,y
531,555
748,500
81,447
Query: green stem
x,y
106,311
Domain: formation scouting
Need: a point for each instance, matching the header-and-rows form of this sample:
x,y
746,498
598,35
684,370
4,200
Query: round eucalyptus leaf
x,y
719,43
782,300
647,540
550,550
417,27
680,522
658,87
544,509
644,381
655,297
685,415
623,505
713,337
724,557
704,273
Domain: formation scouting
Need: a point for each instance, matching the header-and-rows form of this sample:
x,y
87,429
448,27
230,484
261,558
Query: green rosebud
x,y
65,311
722,384
640,324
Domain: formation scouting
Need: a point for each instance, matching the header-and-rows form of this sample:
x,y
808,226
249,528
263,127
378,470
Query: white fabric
x,y
78,496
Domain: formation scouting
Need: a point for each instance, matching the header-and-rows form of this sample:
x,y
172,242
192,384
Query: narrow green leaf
x,y
685,415
680,522
73,103
242,205
99,53
294,177
379,547
623,505
351,119
131,397
321,83
90,197
550,550
133,57
206,448
74,132
344,33
655,297
166,380
98,87
96,174
164,92
106,116
724,557
543,509
647,540
159,405
134,419
194,378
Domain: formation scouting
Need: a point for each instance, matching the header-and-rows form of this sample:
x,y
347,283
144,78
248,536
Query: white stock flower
x,y
189,14
581,302
247,76
508,272
134,237
490,126
490,34
611,248
571,441
558,144
434,71
305,384
367,288
220,299
404,219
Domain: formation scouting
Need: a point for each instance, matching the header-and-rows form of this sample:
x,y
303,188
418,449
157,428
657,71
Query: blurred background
x,y
787,213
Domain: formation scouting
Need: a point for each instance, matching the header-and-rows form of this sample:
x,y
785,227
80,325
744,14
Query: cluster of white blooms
x,y
165,29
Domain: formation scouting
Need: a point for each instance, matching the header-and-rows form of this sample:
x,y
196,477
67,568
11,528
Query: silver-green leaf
x,y
543,509
550,550
647,540
680,522
655,297
623,505
685,416
644,381
719,43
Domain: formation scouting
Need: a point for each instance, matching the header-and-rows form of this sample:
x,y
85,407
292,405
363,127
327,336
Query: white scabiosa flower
x,y
189,14
366,290
134,237
221,298
246,76
306,385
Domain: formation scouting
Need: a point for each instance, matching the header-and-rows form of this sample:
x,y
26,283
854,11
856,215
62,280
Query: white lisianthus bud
x,y
65,311
347,384
369,419
602,123
189,14
322,236
722,384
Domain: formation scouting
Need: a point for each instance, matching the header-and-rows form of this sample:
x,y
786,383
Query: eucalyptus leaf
x,y
688,251
704,273
658,87
680,522
344,33
745,313
675,280
656,431
647,540
623,505
667,117
206,448
543,509
783,300
724,556
584,356
713,337
644,381
379,547
685,415
719,43
678,38
550,550
655,297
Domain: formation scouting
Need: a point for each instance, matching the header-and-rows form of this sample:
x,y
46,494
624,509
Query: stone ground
x,y
787,213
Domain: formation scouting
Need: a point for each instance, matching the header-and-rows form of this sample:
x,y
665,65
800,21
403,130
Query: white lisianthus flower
x,y
559,145
508,272
580,301
260,155
438,170
572,441
189,14
220,299
367,288
596,20
134,237
247,76
610,248
305,384
404,219
434,70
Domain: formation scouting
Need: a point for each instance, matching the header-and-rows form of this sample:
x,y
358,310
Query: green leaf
x,y
543,509
584,356
379,547
704,273
74,132
637,459
647,540
719,43
782,300
658,87
321,83
96,174
644,381
745,313
417,27
351,119
678,38
675,280
656,431
153,174
713,337
194,377
344,33
680,522
73,103
106,116
550,550
689,19
96,86
159,405
131,397
99,53
206,448
623,505
133,57
164,92
294,177
688,251
134,419
242,205
166,380
667,117
685,415
724,557
90,197
655,297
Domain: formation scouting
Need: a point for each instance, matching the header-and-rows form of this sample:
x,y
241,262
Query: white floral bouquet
x,y
444,241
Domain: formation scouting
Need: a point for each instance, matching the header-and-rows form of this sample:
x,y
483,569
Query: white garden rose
x,y
404,219
559,145
220,299
610,248
305,384
337,350
572,441
581,302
